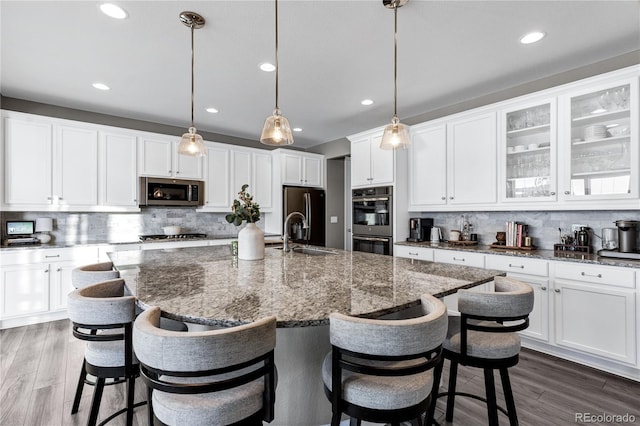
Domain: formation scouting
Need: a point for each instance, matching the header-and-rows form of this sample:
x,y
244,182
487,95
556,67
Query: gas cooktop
x,y
162,237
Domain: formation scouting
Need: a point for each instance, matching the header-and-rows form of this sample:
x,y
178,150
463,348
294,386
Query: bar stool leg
x,y
492,404
131,386
81,379
508,396
149,406
453,373
437,375
95,403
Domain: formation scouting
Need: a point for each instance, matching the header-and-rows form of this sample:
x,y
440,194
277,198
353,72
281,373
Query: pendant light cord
x,y
277,66
193,24
395,60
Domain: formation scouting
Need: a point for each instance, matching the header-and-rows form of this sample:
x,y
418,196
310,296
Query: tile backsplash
x,y
543,225
73,228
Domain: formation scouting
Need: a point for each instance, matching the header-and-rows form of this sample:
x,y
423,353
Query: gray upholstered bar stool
x,y
83,276
215,377
478,338
380,370
103,316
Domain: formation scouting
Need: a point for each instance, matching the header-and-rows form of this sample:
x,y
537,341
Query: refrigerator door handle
x,y
307,214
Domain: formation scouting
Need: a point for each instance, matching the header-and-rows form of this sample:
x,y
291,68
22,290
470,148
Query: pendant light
x,y
191,142
396,134
276,130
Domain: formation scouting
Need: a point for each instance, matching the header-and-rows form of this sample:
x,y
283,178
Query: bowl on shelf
x,y
532,146
519,148
171,230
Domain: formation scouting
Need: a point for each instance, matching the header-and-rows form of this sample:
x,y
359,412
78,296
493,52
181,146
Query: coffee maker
x,y
627,241
419,229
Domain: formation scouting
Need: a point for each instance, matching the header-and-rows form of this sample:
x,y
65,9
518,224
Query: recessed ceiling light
x,y
367,102
113,10
297,129
212,110
532,37
101,86
267,66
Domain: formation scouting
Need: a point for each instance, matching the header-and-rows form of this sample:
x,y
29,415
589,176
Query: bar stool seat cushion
x,y
482,345
215,408
385,393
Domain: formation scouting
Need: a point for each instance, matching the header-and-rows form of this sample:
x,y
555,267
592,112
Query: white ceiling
x,y
333,54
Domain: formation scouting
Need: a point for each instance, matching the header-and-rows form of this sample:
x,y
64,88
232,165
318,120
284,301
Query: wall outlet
x,y
576,227
334,219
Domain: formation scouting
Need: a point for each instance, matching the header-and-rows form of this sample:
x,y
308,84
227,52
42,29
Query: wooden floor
x,y
39,366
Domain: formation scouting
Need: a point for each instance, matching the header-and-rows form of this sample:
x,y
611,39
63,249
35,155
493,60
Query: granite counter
x,y
207,285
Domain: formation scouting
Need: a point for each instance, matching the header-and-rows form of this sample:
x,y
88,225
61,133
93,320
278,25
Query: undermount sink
x,y
313,251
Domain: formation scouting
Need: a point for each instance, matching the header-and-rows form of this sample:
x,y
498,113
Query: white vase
x,y
251,243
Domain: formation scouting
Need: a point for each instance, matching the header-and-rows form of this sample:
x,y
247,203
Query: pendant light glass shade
x,y
191,143
395,136
276,130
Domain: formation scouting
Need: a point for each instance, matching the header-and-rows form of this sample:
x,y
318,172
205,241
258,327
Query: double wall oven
x,y
372,215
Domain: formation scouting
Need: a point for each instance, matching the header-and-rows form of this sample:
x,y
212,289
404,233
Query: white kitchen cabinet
x,y
34,283
228,168
600,140
471,150
460,258
158,156
428,166
370,165
118,175
49,167
420,253
527,151
597,319
218,176
302,169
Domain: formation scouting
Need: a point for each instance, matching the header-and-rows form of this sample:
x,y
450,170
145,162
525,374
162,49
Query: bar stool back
x,y
216,377
103,316
83,276
380,370
480,338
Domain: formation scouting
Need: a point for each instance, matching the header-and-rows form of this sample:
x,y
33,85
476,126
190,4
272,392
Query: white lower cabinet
x,y
421,253
464,258
34,284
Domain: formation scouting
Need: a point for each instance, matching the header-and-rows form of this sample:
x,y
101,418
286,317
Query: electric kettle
x,y
436,234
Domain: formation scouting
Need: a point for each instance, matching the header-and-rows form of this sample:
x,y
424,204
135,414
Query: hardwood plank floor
x,y
39,367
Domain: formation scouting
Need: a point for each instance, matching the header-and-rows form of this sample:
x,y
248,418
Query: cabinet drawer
x,y
518,265
622,277
40,255
422,253
460,258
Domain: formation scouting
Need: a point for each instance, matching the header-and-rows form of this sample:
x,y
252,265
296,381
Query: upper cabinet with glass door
x,y
527,151
601,142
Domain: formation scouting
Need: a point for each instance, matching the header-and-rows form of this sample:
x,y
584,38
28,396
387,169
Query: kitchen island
x,y
208,286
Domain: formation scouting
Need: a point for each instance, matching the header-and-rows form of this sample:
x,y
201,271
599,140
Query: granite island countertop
x,y
207,285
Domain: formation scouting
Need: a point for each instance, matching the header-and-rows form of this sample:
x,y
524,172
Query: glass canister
x,y
610,238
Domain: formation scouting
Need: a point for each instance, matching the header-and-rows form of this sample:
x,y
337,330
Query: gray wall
x,y
335,203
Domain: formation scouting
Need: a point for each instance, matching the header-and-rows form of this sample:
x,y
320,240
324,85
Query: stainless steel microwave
x,y
171,192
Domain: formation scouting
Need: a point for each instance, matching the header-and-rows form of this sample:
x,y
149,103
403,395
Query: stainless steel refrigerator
x,y
311,203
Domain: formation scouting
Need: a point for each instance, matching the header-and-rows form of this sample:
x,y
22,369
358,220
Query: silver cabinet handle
x,y
59,269
48,257
553,193
451,198
46,271
135,201
178,172
413,254
49,198
444,198
543,288
557,290
458,260
516,266
567,192
169,171
591,275
59,198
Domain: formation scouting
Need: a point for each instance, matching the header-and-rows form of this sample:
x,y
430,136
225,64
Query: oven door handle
x,y
356,200
383,240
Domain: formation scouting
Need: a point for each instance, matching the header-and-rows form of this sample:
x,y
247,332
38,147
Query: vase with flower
x,y
250,238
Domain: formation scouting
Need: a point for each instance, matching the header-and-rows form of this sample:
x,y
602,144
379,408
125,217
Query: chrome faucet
x,y
285,237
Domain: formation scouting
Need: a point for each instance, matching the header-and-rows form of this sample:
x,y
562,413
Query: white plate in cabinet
x,y
597,274
518,265
460,258
421,253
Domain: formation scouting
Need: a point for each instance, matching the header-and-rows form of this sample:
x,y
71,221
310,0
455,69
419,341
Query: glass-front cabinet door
x,y
602,137
528,151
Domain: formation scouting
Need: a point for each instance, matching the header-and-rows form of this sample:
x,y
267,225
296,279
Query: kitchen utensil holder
x,y
571,247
